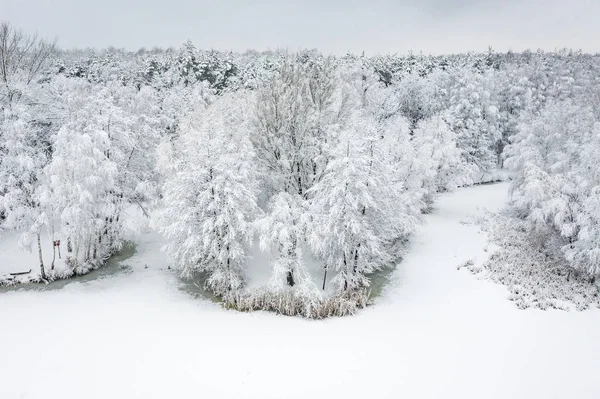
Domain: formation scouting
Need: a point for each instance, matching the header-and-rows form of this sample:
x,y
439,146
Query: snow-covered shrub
x,y
532,273
292,303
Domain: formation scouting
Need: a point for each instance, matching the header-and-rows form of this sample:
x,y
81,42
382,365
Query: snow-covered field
x,y
435,333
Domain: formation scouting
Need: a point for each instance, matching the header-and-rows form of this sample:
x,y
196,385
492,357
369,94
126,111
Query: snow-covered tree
x,y
442,168
297,109
475,119
81,179
21,159
556,180
179,100
584,253
135,120
282,233
23,149
209,199
512,97
416,99
358,207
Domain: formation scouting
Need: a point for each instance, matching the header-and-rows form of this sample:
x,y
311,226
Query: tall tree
x,y
209,198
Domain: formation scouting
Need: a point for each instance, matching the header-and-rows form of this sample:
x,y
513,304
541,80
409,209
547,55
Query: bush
x,y
535,276
290,303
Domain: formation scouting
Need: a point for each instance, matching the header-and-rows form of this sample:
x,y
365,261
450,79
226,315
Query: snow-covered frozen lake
x,y
434,333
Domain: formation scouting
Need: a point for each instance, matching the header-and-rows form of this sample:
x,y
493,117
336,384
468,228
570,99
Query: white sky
x,y
332,26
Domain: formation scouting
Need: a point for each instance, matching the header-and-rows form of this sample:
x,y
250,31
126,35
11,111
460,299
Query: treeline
x,y
329,157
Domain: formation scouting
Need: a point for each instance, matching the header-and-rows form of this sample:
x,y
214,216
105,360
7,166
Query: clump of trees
x,y
73,155
317,161
312,158
557,184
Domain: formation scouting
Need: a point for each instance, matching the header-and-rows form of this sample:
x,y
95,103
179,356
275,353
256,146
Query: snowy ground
x,y
16,258
435,333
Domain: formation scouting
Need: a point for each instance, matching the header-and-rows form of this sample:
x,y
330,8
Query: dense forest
x,y
332,159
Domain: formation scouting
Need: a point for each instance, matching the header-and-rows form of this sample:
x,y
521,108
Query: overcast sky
x,y
332,26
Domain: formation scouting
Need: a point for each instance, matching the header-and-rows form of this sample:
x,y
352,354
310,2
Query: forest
x,y
327,164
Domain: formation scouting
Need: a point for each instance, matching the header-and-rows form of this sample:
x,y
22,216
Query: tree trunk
x,y
345,273
291,254
87,250
290,278
53,255
299,179
75,255
356,259
53,249
39,244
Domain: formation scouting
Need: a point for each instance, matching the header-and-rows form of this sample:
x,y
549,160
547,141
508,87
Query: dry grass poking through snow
x,y
534,278
289,303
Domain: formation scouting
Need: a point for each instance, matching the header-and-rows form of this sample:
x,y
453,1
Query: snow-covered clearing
x,y
14,260
435,333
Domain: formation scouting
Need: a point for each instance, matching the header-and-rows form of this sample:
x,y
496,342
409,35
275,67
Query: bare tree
x,y
21,54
